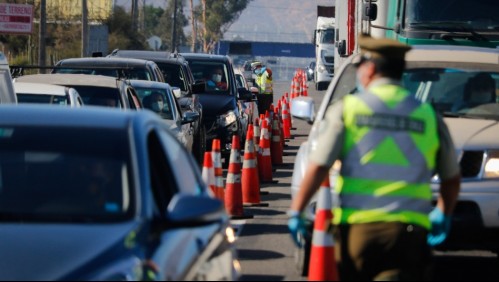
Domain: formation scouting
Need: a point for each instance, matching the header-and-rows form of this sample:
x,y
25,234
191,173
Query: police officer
x,y
389,145
264,84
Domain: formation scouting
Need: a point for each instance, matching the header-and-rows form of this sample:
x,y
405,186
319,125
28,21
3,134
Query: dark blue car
x,y
102,194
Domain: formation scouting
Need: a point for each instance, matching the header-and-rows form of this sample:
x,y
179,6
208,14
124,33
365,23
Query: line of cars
x,y
110,192
462,84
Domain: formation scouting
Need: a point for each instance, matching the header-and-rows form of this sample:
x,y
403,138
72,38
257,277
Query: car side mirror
x,y
303,107
244,94
188,210
370,12
190,117
176,92
342,48
198,87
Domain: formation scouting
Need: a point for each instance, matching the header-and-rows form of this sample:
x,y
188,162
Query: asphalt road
x,y
265,248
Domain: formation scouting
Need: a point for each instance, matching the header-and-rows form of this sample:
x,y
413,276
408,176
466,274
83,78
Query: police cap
x,y
254,65
372,48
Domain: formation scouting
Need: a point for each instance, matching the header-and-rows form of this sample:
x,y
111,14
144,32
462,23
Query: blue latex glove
x,y
440,227
296,225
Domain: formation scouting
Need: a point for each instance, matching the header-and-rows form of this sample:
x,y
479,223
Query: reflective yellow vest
x,y
264,83
388,158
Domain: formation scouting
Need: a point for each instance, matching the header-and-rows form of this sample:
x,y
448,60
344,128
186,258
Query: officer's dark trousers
x,y
390,251
264,102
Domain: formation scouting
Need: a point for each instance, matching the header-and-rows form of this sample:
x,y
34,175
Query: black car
x,y
114,67
223,113
177,73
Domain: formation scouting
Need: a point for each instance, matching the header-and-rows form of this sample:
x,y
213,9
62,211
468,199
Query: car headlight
x,y
491,165
228,118
321,68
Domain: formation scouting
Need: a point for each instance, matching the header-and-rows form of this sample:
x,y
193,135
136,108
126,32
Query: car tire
x,y
199,146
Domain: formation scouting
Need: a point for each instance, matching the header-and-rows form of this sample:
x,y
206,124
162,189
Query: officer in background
x,y
389,145
264,84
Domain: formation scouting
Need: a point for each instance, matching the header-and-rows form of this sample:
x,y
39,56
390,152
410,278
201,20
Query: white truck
x,y
7,94
324,40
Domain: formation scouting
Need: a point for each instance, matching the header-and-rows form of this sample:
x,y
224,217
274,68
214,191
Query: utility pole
x,y
135,15
42,34
174,27
84,28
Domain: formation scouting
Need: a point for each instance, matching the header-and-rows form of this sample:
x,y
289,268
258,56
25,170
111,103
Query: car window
x,y
42,99
173,75
150,98
68,175
100,96
184,168
205,71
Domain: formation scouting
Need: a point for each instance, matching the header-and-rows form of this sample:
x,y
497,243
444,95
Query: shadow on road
x,y
259,229
258,254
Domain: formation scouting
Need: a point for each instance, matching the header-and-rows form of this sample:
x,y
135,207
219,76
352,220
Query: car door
x,y
187,129
191,252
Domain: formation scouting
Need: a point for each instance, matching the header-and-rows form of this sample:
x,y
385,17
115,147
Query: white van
x,y
7,94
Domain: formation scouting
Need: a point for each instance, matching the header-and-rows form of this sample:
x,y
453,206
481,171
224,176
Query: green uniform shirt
x,y
331,136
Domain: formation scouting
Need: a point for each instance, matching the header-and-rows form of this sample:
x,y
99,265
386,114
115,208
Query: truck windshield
x,y
327,36
453,14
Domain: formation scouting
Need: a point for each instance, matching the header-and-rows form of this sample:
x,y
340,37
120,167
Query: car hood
x,y
214,104
473,133
46,252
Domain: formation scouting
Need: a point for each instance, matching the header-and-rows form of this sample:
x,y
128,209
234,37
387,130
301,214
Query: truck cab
x,y
324,39
7,93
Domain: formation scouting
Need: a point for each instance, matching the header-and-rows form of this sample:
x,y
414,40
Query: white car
x,y
250,108
439,75
40,93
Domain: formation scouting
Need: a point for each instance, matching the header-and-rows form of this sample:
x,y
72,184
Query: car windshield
x,y
453,92
42,99
64,174
214,74
157,100
99,96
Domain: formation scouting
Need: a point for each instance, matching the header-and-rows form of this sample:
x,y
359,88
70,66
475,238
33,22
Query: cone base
x,y
256,204
244,216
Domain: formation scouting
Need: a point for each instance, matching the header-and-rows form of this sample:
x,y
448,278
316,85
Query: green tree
x,y
216,18
165,26
121,33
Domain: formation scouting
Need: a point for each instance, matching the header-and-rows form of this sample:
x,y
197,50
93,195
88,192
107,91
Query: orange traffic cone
x,y
208,173
286,121
264,156
322,265
233,190
217,167
276,145
249,177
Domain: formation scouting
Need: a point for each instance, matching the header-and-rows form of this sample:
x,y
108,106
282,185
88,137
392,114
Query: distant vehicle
x,y
7,93
127,68
250,108
179,123
177,73
41,93
310,71
222,108
439,75
324,40
96,194
248,71
95,90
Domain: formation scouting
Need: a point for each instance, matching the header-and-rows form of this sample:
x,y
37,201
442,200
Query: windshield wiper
x,y
452,26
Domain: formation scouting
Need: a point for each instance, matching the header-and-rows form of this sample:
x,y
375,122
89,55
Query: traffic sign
x,y
16,18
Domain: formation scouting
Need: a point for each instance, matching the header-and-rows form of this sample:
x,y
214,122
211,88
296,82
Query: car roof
x,y
47,115
206,57
155,56
71,79
104,62
147,83
39,88
450,53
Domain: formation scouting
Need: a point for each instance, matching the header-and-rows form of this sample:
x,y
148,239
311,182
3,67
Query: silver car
x,y
179,124
453,80
41,93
